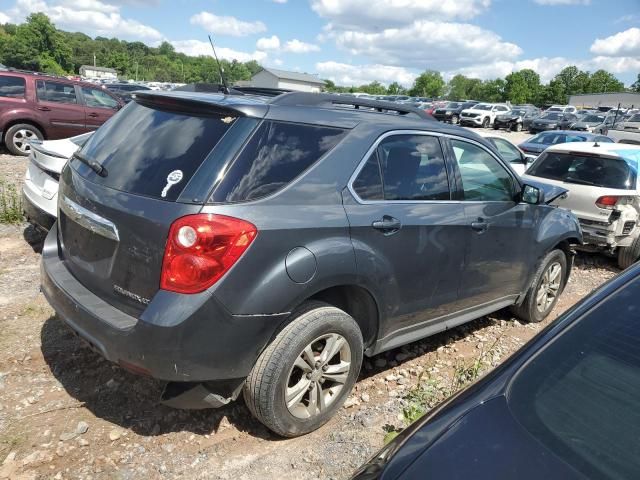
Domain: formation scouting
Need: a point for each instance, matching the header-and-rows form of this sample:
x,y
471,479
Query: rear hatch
x,y
113,225
598,185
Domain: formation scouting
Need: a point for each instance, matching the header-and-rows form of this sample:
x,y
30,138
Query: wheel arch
x,y
28,121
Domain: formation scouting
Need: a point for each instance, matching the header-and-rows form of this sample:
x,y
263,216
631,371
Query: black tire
x,y
529,310
485,122
496,126
627,256
455,120
518,127
266,387
16,137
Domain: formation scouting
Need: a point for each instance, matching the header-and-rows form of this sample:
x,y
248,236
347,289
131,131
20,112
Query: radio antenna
x,y
225,90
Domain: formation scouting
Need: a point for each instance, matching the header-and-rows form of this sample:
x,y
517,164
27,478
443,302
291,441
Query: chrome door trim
x,y
89,220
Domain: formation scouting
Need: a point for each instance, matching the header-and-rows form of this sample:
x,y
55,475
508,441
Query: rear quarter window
x,y
12,87
276,154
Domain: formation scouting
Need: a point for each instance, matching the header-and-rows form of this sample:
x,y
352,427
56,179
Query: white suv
x,y
482,114
561,109
602,184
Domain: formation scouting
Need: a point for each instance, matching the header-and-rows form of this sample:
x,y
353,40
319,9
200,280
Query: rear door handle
x,y
480,226
93,115
44,109
388,225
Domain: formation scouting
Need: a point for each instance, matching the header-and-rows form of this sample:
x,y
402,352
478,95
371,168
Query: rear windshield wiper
x,y
92,164
578,181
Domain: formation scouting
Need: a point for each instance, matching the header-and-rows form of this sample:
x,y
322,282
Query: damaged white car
x,y
603,192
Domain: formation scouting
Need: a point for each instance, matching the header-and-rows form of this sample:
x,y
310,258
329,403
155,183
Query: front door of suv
x,y
499,229
408,234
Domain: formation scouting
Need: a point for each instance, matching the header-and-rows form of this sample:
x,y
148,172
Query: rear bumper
x,y
35,214
178,338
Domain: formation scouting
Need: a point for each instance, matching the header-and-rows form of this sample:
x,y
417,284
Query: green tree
x,y
635,86
373,88
41,35
396,89
460,87
522,86
492,90
602,81
428,84
573,80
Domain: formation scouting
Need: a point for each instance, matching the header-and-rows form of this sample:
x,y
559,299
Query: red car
x,y
37,106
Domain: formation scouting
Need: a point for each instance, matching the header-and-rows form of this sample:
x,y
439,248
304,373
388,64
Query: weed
x,y
10,204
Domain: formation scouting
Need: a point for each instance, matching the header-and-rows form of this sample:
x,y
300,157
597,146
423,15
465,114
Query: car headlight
x,y
448,112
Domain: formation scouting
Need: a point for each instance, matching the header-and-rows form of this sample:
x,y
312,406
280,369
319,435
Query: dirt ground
x,y
67,413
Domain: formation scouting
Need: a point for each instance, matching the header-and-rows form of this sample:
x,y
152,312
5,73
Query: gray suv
x,y
245,244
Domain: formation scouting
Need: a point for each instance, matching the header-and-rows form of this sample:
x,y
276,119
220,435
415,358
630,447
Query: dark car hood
x,y
545,121
533,147
488,443
508,116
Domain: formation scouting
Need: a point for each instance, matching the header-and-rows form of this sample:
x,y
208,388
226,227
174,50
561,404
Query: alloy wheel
x,y
22,138
318,376
549,288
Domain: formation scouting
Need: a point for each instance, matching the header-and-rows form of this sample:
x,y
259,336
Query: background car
x,y
562,109
540,142
552,121
451,112
40,188
482,114
632,123
124,90
588,122
602,184
518,119
564,407
518,159
36,106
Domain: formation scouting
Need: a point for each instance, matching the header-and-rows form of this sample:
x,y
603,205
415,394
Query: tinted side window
x,y
12,87
368,185
277,153
413,168
509,152
56,92
97,98
483,178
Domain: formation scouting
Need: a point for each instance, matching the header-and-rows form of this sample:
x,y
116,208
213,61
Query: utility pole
x,y
136,71
94,59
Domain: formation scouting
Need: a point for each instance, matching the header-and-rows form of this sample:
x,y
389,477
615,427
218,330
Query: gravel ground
x,y
67,413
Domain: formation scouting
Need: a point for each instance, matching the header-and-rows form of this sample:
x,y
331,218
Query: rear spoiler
x,y
202,104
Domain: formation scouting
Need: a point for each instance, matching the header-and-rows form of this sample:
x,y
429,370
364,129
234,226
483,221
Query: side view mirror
x,y
532,195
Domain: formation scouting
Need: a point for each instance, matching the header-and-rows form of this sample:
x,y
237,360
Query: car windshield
x,y
453,105
555,109
551,116
599,171
593,118
517,112
552,138
579,395
482,106
634,118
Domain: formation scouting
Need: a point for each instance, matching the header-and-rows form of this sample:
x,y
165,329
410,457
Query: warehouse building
x,y
274,78
594,100
89,71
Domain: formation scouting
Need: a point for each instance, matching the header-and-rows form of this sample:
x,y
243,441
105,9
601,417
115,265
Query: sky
x,y
352,42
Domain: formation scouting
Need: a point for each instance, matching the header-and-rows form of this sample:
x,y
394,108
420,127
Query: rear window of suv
x,y
12,87
606,172
143,145
276,154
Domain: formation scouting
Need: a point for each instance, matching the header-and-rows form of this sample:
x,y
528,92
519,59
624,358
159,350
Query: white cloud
x,y
224,25
196,48
268,43
427,44
562,2
296,46
345,74
373,14
4,18
92,17
621,44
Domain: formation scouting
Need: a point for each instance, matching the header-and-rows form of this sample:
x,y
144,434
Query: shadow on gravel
x,y
34,237
127,400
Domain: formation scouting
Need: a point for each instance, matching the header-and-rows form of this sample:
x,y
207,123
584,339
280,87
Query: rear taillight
x,y
610,201
202,248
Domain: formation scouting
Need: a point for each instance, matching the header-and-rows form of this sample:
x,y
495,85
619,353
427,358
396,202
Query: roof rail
x,y
328,100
